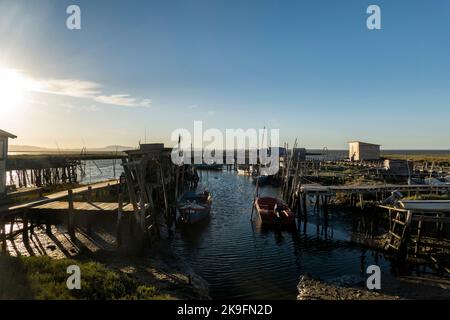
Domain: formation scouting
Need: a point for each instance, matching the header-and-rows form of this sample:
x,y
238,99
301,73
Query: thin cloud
x,y
77,88
69,87
124,100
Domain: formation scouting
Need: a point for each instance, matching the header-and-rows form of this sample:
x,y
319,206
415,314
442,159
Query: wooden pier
x,y
26,170
145,197
42,210
410,227
9,209
80,207
386,188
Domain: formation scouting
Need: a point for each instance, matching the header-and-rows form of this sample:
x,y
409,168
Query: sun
x,y
13,90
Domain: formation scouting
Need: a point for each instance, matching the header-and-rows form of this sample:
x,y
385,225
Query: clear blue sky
x,y
310,68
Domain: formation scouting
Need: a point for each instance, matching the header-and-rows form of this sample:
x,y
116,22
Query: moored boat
x,y
260,179
194,207
425,205
274,211
209,166
244,170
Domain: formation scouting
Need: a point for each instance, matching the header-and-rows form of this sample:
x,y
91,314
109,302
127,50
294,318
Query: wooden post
x,y
89,200
11,225
325,204
130,184
419,234
305,210
3,236
119,220
317,204
166,204
25,226
71,215
48,228
177,173
89,194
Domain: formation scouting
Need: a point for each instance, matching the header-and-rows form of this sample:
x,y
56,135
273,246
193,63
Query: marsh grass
x,y
43,278
431,157
429,197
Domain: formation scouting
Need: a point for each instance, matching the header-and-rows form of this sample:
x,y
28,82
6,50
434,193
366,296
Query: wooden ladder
x,y
140,193
398,229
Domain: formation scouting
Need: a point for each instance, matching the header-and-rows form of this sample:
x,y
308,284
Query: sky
x,y
138,70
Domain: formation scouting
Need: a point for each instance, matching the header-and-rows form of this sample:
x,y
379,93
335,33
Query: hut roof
x,y
7,134
372,144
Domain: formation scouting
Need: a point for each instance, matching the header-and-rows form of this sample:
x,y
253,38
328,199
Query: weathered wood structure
x,y
57,207
145,197
39,170
299,154
154,184
43,170
398,167
359,151
4,136
408,230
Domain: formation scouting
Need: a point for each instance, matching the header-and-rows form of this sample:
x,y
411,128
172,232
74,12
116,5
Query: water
x,y
242,260
101,170
95,171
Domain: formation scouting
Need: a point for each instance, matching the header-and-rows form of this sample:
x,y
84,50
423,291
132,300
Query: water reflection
x,y
242,259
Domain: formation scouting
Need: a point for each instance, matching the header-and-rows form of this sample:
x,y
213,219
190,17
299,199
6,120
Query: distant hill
x,y
23,148
18,148
112,148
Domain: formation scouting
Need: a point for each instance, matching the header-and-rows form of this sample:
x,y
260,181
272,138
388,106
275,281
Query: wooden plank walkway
x,y
106,207
315,188
8,209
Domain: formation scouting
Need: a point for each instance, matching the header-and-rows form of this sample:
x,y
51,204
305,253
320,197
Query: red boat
x,y
274,211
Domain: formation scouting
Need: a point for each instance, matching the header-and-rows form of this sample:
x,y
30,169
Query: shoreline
x,y
425,287
157,267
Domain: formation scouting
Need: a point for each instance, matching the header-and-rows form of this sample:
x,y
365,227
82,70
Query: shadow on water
x,y
242,259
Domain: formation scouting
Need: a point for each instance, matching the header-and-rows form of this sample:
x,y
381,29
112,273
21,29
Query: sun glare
x,y
13,89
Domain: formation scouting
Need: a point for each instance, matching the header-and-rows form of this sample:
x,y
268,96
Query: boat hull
x,y
213,167
261,180
194,207
426,205
265,207
243,172
190,216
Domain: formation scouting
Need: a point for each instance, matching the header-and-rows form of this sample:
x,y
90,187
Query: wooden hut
x,y
360,151
299,154
4,136
398,167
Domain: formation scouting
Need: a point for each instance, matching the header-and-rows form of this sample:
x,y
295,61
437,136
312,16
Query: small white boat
x,y
425,205
194,207
434,182
244,170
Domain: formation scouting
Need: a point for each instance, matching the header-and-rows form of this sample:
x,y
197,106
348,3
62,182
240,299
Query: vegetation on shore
x,y
428,197
431,157
43,278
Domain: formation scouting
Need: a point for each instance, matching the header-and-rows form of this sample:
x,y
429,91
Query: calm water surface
x,y
240,259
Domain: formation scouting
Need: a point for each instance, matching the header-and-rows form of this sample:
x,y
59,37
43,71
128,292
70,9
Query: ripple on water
x,y
242,260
